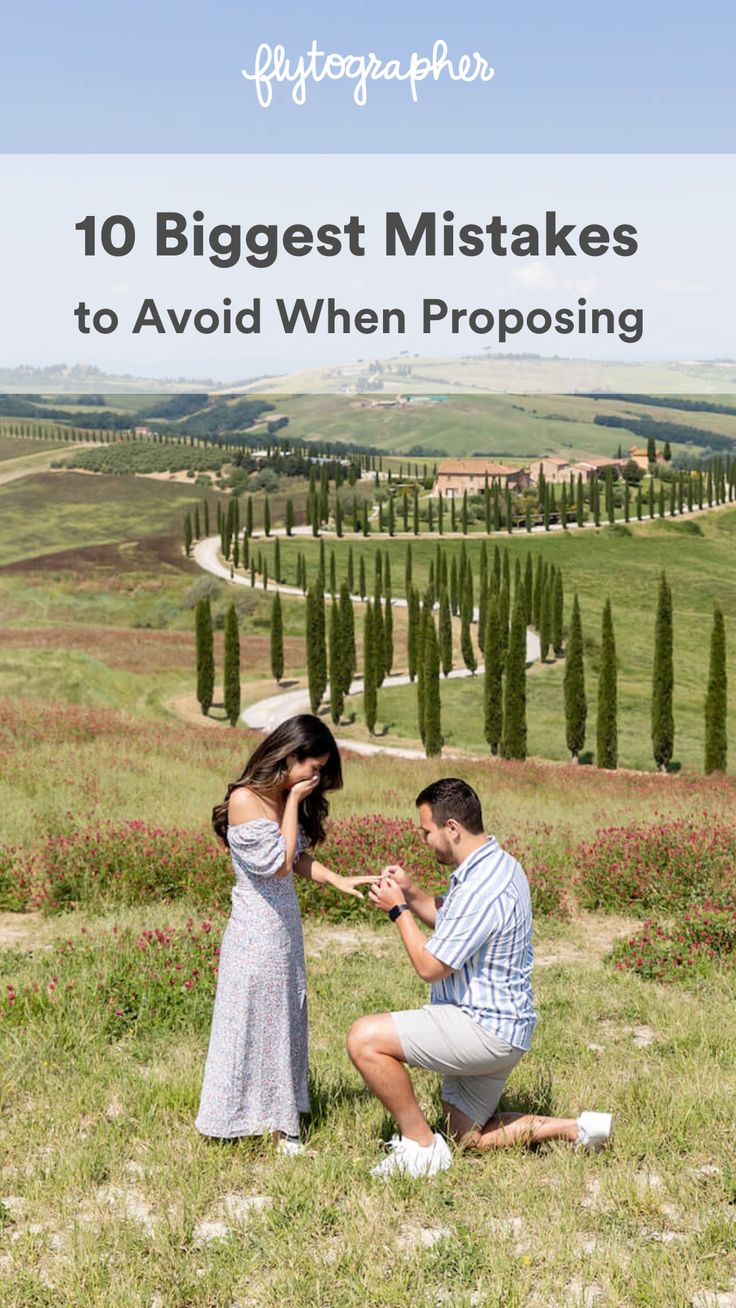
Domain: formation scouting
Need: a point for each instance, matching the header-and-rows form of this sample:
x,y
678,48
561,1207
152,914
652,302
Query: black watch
x,y
397,910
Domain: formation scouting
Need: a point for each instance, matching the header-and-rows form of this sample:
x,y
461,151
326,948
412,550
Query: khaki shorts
x,y
475,1063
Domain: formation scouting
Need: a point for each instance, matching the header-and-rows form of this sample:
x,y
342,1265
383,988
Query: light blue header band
x,y
630,77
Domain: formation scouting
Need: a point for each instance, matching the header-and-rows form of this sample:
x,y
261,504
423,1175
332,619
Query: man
x,y
480,1018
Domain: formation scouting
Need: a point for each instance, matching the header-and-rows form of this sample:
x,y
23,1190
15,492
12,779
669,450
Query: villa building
x,y
454,476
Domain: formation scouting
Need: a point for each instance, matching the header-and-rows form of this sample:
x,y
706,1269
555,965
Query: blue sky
x,y
628,76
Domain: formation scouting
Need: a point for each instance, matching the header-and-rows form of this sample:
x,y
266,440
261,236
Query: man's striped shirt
x,y
483,931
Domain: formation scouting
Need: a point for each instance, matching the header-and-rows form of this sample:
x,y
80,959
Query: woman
x,y
255,1078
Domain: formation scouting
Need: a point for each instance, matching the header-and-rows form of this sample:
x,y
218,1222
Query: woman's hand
x,y
348,885
301,789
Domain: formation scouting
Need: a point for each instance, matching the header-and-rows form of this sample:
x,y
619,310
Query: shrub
x,y
670,865
124,863
686,950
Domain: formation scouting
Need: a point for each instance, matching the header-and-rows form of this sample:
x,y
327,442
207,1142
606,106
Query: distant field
x,y
15,447
519,426
62,511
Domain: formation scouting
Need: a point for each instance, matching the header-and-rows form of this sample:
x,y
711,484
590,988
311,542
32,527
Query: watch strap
x,y
397,910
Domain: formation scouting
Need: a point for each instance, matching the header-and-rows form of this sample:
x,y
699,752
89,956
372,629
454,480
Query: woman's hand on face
x,y
301,789
348,885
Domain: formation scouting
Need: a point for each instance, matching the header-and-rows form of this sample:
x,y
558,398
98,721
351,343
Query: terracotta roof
x,y
553,458
479,467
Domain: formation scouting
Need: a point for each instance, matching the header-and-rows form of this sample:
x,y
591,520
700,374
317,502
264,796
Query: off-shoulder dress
x,y
255,1077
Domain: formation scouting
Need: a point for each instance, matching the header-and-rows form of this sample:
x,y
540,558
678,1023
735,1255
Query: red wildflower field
x,y
683,951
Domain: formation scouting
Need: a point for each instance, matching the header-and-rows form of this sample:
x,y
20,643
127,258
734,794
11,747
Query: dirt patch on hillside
x,y
145,555
589,938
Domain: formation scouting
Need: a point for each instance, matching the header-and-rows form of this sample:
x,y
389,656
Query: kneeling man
x,y
480,1018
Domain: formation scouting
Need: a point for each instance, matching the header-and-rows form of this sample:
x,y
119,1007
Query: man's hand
x,y
396,872
386,893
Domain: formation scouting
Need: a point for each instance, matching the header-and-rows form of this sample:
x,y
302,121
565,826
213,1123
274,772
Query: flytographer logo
x,y
272,65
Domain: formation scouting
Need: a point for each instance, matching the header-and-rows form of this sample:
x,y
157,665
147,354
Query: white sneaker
x,y
290,1145
407,1158
594,1130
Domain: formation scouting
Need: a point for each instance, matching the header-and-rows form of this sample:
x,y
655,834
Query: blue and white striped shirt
x,y
484,932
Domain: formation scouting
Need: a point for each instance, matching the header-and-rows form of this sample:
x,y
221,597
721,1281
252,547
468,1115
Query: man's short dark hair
x,y
452,798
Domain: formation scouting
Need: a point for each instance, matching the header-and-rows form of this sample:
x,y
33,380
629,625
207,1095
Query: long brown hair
x,y
305,736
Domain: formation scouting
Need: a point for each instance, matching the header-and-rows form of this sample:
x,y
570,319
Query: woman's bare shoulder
x,y
245,806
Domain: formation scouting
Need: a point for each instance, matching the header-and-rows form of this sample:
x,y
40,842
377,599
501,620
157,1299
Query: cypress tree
x,y
289,516
716,705
453,514
424,619
576,708
663,724
231,675
362,586
504,610
454,589
537,595
482,594
277,560
197,532
440,514
464,514
432,707
651,497
388,632
408,570
378,637
236,553
466,617
333,574
187,535
493,675
415,511
557,615
545,618
607,719
412,633
513,738
580,502
347,618
370,689
206,518
661,500
445,636
205,654
337,673
528,590
338,517
366,525
316,651
277,639
266,516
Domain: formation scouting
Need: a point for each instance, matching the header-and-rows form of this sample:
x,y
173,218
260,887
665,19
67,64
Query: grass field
x,y
112,1199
